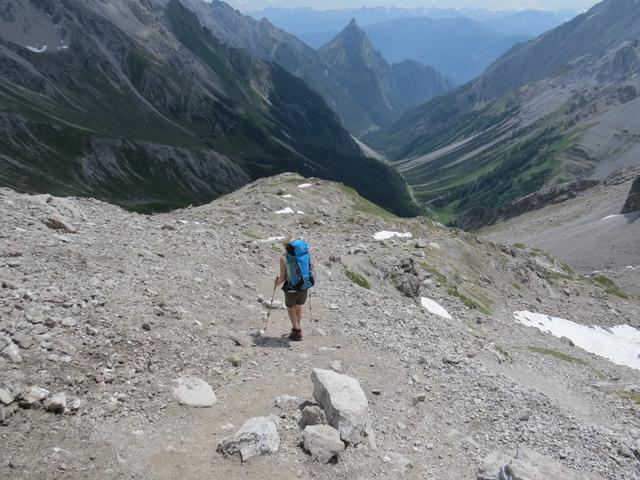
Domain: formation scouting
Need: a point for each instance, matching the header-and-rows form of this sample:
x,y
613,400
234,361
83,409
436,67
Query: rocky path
x,y
115,314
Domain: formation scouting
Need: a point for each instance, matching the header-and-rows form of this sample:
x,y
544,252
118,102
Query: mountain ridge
x,y
115,120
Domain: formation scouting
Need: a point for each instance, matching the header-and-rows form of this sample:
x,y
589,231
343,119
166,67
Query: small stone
x,y
8,393
524,415
322,442
313,415
57,403
22,339
12,353
235,360
69,322
376,391
420,398
336,366
287,402
74,404
625,451
35,394
146,327
57,222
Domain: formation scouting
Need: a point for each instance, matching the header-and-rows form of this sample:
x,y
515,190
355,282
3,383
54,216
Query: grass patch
x,y
363,205
503,352
559,355
255,236
357,279
633,396
453,291
519,246
609,286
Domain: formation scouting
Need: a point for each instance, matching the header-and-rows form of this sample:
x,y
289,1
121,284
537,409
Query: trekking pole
x,y
266,323
310,316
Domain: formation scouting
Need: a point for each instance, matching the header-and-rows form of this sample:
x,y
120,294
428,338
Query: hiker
x,y
296,277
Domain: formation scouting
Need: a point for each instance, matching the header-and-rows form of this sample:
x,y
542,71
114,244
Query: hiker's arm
x,y
282,276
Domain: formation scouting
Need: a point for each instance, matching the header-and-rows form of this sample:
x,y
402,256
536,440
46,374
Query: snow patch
x,y
386,235
36,49
271,239
305,185
285,211
611,216
300,212
620,344
288,195
435,308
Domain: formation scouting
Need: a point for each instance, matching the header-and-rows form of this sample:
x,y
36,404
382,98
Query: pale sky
x,y
487,4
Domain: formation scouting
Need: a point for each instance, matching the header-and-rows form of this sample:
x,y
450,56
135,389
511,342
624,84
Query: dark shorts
x,y
291,299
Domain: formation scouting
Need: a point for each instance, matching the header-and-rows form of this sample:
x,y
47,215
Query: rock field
x,y
129,348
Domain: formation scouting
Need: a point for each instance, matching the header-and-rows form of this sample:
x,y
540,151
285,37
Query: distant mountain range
x,y
561,107
363,103
135,102
458,43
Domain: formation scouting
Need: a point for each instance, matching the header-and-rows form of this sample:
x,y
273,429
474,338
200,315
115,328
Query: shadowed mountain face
x,y
138,104
359,111
549,111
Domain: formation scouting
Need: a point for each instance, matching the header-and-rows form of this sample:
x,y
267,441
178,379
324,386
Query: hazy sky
x,y
489,4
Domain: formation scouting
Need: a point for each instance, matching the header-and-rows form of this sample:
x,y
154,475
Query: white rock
x,y
8,393
194,392
322,442
344,403
258,436
35,394
287,402
12,353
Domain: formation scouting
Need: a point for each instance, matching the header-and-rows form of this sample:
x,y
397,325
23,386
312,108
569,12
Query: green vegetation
x,y
609,286
519,246
357,279
453,290
561,356
365,206
633,396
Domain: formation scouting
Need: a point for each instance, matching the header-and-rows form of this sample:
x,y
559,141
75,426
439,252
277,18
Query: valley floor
x,y
118,311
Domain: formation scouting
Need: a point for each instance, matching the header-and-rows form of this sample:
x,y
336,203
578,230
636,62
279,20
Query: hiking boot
x,y
295,335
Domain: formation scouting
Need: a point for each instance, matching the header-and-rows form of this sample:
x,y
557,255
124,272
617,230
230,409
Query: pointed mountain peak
x,y
352,37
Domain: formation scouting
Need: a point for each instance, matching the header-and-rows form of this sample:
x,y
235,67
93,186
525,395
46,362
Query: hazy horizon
x,y
553,5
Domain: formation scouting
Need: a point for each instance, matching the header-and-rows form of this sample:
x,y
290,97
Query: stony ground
x,y
576,230
112,315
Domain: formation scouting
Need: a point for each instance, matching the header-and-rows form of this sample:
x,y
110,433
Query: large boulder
x,y
344,403
258,436
322,442
633,199
527,465
194,392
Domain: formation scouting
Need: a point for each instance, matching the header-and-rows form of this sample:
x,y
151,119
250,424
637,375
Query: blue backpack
x,y
298,264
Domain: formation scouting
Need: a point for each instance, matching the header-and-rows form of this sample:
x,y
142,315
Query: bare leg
x,y
293,316
298,315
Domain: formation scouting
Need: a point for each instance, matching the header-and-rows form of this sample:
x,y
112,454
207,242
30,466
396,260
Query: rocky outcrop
x,y
478,217
632,204
258,436
344,403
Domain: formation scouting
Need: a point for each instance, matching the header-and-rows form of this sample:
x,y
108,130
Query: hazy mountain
x,y
384,91
458,43
459,47
561,107
358,111
308,20
138,104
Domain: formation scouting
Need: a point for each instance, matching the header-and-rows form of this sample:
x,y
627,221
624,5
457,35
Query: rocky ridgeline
x,y
129,347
